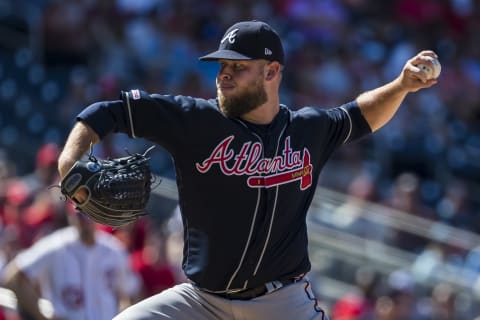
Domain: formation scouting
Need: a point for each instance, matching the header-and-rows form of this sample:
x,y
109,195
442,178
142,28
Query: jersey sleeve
x,y
152,115
105,117
351,122
156,117
35,260
331,128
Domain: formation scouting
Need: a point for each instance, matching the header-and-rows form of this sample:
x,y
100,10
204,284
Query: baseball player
x,y
84,273
246,167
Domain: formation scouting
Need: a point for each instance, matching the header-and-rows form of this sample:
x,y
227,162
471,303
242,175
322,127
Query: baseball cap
x,y
248,40
17,192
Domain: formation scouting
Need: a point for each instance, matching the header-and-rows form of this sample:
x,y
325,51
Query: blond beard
x,y
249,99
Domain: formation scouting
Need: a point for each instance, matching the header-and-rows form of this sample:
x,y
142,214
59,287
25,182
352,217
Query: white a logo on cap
x,y
230,36
268,52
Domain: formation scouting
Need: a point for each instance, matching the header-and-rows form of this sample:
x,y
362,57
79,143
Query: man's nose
x,y
224,73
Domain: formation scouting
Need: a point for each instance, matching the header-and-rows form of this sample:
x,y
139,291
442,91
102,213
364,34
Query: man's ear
x,y
270,74
273,68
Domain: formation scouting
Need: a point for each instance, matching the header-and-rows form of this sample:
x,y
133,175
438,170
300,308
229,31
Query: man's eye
x,y
238,67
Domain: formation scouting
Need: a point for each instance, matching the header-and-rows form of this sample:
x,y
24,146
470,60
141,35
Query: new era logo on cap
x,y
249,40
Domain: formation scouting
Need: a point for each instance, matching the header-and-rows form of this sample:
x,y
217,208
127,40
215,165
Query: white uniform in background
x,y
82,283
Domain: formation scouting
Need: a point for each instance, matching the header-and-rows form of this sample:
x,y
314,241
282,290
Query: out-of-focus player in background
x,y
247,168
82,271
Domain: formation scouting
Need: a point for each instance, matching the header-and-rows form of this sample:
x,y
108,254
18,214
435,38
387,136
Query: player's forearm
x,y
28,302
378,106
77,144
27,297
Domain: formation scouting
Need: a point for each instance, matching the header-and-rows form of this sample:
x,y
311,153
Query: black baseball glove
x,y
117,189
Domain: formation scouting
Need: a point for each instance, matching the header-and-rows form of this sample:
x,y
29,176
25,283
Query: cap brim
x,y
224,54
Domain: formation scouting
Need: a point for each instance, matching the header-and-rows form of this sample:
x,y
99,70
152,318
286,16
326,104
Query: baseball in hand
x,y
432,73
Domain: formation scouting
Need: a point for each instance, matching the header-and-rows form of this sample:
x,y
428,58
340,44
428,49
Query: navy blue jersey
x,y
244,189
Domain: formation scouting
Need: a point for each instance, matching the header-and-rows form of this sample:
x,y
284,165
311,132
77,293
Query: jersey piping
x,y
245,249
130,118
253,221
273,212
187,244
349,122
251,229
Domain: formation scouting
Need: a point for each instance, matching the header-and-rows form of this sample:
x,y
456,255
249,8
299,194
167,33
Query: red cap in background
x,y
17,192
47,155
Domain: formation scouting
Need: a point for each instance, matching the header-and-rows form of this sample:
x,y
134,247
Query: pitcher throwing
x,y
246,168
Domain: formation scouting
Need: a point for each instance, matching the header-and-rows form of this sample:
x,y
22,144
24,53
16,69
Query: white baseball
x,y
432,73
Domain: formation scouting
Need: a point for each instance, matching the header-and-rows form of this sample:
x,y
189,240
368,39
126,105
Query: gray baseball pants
x,y
186,302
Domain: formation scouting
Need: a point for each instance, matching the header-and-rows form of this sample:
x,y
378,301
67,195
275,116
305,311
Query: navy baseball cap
x,y
248,40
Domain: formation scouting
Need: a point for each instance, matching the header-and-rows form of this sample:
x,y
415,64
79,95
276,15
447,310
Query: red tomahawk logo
x,y
304,174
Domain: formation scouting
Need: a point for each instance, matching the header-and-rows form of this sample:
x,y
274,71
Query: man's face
x,y
84,225
240,86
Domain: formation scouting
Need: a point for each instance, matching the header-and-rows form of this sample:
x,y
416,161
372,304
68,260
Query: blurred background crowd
x,y
57,57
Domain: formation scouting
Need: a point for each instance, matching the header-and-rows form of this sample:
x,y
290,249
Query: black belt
x,y
251,293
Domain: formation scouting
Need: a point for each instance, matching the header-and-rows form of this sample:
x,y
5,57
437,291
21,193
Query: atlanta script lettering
x,y
264,172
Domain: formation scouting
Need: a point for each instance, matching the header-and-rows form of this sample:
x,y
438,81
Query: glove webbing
x,y
98,213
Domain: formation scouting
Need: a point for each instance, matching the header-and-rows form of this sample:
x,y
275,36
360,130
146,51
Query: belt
x,y
251,293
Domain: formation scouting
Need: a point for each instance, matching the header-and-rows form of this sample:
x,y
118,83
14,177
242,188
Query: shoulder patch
x,y
135,94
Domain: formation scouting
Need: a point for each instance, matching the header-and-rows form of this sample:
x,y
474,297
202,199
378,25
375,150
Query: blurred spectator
x,y
151,263
455,208
398,302
429,263
84,273
350,216
349,307
471,268
359,305
444,303
149,259
65,33
18,199
32,205
45,173
148,255
405,196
